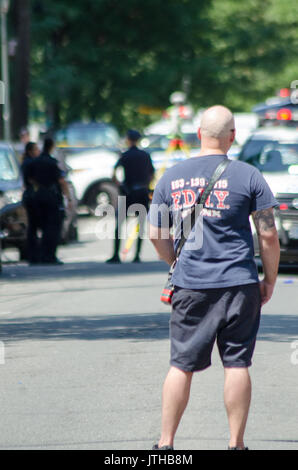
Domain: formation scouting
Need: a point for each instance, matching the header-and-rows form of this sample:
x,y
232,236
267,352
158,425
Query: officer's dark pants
x,y
137,197
50,222
33,248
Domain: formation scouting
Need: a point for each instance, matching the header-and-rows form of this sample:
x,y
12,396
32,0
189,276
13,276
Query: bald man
x,y
218,294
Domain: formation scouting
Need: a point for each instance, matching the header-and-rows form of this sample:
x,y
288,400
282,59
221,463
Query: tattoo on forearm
x,y
264,220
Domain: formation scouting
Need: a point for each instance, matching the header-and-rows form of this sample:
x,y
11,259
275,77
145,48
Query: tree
x,y
21,13
251,46
107,58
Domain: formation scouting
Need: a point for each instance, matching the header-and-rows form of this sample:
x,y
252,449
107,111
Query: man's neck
x,y
211,151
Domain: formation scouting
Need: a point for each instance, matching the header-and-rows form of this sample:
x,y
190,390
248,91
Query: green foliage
x,y
108,58
250,50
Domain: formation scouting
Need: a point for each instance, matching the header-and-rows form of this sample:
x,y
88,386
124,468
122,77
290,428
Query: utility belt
x,y
52,190
128,189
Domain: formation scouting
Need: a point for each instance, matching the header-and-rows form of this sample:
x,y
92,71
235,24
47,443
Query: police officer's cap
x,y
133,135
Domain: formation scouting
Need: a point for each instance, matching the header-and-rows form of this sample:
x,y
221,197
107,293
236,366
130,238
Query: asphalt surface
x,y
84,351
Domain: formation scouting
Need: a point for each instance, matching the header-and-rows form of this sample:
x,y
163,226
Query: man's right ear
x,y
199,134
233,131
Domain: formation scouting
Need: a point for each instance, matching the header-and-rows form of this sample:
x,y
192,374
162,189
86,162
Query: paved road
x,y
86,351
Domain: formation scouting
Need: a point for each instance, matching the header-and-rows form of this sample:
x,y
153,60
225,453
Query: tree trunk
x,y
21,79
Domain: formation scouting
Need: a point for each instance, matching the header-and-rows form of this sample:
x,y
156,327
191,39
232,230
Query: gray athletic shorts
x,y
200,317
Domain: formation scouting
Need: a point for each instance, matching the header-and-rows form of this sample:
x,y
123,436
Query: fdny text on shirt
x,y
184,196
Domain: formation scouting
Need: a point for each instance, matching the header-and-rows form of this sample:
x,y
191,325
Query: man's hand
x,y
266,290
70,205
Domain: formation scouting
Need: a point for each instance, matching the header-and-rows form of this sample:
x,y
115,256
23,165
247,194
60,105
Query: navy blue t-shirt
x,y
219,252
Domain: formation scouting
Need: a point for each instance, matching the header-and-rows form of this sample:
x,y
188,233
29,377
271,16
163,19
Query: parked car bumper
x,y
287,228
13,225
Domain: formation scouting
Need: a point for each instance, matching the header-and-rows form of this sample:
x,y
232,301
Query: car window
x,y
251,150
8,167
271,156
88,137
155,142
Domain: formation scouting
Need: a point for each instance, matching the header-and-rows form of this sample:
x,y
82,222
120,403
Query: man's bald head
x,y
217,130
217,123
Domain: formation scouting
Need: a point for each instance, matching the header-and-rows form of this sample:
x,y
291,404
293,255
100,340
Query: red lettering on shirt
x,y
221,196
189,197
208,203
176,199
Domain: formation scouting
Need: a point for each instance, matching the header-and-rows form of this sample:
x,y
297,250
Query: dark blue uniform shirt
x,y
44,170
25,172
138,168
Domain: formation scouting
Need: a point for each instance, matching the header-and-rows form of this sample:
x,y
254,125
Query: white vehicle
x,y
91,151
245,125
91,174
274,151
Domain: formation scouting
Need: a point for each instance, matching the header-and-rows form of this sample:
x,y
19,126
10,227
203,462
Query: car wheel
x,y
103,194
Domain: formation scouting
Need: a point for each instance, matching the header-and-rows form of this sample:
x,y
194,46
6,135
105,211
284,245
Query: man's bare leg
x,y
175,397
237,397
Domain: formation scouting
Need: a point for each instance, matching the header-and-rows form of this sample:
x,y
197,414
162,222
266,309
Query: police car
x,y
274,151
13,217
279,110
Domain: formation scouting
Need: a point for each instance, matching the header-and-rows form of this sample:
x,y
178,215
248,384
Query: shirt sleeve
x,y
160,214
151,167
119,162
58,173
262,196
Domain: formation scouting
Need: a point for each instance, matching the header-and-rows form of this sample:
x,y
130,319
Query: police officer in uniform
x,y
31,151
49,185
138,173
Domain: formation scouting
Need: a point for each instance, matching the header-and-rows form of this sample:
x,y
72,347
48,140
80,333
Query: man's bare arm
x,y
264,220
65,189
163,243
269,250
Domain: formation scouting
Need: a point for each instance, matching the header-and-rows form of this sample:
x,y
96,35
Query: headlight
x,y
13,196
